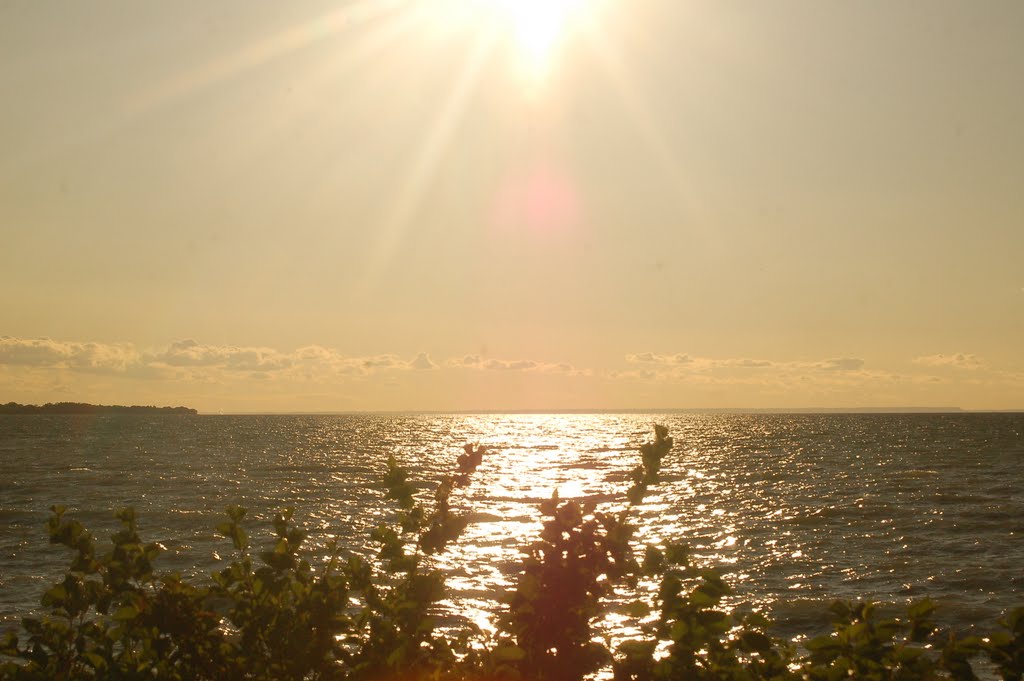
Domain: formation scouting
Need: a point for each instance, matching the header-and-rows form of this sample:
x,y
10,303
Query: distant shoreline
x,y
73,408
83,408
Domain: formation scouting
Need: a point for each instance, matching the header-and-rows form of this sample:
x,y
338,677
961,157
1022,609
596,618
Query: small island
x,y
83,408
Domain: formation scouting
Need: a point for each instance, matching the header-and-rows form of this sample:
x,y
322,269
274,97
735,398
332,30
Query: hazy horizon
x,y
907,409
481,205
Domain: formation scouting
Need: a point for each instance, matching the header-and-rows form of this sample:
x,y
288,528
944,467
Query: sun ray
x,y
621,77
433,146
183,84
255,55
367,47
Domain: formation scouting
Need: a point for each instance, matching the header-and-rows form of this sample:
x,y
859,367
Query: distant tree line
x,y
83,408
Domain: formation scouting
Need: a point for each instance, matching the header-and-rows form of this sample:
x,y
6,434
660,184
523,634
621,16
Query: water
x,y
796,509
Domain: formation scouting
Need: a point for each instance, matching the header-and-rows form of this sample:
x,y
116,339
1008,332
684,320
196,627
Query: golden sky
x,y
494,204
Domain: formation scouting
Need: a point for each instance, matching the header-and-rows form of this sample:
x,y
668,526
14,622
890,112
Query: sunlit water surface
x,y
797,510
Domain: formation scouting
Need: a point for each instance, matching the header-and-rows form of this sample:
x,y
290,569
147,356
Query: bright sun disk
x,y
537,27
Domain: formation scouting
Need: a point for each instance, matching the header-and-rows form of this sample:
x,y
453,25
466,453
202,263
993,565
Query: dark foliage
x,y
83,408
271,616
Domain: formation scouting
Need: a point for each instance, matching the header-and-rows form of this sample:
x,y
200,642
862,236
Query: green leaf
x,y
821,643
1000,639
240,538
654,561
95,661
907,654
638,649
840,609
677,554
756,641
56,595
126,613
758,620
678,630
548,507
970,643
922,608
10,644
509,653
702,597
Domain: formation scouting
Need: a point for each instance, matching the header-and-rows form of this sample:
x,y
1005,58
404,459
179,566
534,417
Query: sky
x,y
253,205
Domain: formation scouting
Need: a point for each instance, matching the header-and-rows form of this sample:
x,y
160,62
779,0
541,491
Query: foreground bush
x,y
271,616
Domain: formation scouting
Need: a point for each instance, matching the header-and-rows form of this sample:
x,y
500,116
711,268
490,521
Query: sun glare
x,y
537,27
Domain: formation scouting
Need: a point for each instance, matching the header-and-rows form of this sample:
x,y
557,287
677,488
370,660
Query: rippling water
x,y
796,509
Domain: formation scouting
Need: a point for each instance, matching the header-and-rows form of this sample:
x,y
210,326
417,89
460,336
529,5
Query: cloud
x,y
189,353
307,360
754,363
377,362
634,375
314,353
47,353
756,373
198,361
733,363
959,361
524,365
841,364
194,360
511,365
652,358
467,362
422,363
687,363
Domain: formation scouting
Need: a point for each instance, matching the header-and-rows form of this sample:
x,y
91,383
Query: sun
x,y
533,31
537,27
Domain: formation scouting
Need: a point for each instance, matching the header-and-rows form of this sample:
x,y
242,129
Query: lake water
x,y
797,510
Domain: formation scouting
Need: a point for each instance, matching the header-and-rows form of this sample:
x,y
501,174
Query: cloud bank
x,y
478,363
250,376
44,352
680,362
191,358
957,361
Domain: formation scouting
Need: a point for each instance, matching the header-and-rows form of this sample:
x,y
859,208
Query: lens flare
x,y
543,201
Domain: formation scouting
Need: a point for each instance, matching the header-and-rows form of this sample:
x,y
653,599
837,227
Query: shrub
x,y
273,617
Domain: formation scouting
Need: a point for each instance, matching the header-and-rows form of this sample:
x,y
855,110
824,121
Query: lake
x,y
796,510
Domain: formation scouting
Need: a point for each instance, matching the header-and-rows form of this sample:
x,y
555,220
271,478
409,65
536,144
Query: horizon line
x,y
659,410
